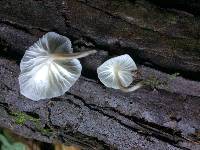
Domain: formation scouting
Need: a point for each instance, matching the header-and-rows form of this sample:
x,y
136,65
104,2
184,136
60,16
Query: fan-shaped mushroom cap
x,y
115,70
41,75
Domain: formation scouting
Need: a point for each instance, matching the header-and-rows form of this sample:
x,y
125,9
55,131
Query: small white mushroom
x,y
49,68
117,73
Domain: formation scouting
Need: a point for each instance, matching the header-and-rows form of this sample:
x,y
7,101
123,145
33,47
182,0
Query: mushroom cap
x,y
117,68
43,77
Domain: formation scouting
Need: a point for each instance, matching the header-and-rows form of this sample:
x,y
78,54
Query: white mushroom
x,y
117,73
49,68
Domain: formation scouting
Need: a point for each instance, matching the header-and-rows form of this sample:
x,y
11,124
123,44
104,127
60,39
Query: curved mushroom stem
x,y
131,89
60,56
128,89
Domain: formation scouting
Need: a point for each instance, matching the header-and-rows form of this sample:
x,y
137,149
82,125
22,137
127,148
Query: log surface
x,y
164,115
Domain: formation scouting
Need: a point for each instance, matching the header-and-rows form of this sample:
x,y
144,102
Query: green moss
x,y
21,118
45,131
174,76
155,83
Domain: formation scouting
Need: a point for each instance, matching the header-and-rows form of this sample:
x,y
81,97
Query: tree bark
x,y
192,6
162,115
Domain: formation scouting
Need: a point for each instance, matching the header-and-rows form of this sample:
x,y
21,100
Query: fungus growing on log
x,y
49,68
117,73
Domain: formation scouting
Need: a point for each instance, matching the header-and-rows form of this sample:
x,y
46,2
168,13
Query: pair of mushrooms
x,y
49,68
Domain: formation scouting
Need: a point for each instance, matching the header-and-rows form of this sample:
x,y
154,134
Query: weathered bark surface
x,y
192,6
161,41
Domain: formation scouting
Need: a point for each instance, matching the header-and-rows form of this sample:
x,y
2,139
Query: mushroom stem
x,y
69,56
131,89
128,89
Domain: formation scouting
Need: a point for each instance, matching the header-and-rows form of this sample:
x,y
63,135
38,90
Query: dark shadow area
x,y
191,6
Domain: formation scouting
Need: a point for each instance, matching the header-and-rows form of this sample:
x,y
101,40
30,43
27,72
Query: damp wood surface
x,y
162,40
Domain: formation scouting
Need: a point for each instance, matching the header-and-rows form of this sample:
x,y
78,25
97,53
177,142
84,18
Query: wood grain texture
x,y
164,115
